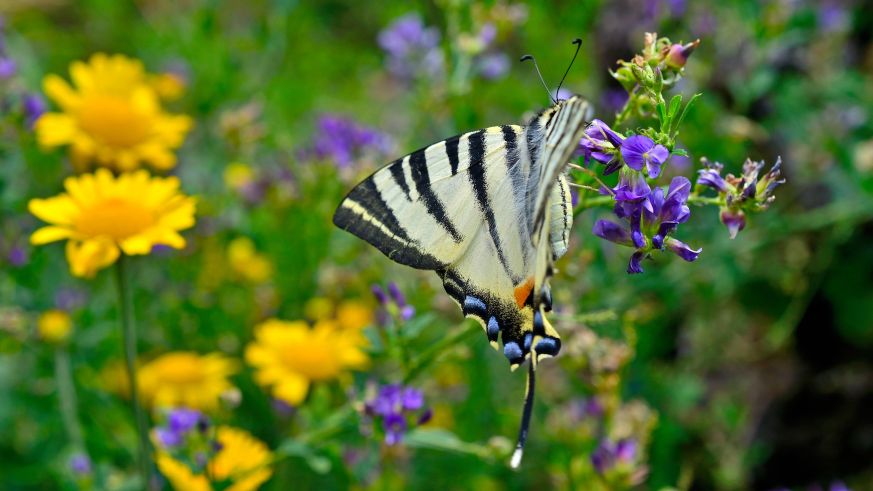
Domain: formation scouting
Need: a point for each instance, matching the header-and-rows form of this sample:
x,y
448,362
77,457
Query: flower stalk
x,y
128,331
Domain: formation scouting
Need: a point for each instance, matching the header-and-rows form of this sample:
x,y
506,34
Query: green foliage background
x,y
757,357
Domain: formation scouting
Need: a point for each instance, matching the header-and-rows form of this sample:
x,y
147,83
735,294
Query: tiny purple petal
x,y
407,312
735,221
657,156
167,437
413,399
426,416
493,66
634,150
682,249
8,67
637,236
379,293
183,420
634,266
611,231
710,177
396,294
626,450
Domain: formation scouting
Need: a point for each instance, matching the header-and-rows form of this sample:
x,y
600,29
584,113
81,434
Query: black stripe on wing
x,y
435,207
365,213
452,152
480,190
399,177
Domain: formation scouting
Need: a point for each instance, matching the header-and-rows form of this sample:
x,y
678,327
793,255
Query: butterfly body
x,y
489,211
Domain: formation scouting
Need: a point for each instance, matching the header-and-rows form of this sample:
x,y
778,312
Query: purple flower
x,y
168,438
639,150
379,293
7,67
602,144
734,220
184,420
397,408
493,65
17,256
711,176
393,303
34,106
739,195
342,140
80,464
412,48
608,454
613,232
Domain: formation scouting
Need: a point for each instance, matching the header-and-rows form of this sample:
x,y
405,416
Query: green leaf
x,y
678,120
662,114
318,463
680,152
675,104
445,440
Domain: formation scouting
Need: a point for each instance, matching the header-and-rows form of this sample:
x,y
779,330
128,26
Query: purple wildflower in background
x,y
493,65
398,408
342,140
640,150
412,49
748,192
608,454
33,106
8,67
17,256
180,423
392,303
80,465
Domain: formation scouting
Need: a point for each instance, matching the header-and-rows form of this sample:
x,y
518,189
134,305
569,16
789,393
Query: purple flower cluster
x,y
412,49
393,303
608,455
749,192
397,408
188,435
602,144
342,140
179,424
491,64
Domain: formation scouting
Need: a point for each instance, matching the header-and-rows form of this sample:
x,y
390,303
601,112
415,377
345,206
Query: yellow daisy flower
x,y
54,326
354,314
112,116
240,455
102,216
289,356
247,262
186,379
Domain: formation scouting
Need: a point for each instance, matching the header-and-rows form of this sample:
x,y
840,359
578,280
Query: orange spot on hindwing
x,y
522,292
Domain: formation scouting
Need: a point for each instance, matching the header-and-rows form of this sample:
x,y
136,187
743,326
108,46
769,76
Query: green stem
x,y
67,398
599,201
428,355
128,329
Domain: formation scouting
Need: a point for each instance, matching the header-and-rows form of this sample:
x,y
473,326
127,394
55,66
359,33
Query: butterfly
x,y
490,212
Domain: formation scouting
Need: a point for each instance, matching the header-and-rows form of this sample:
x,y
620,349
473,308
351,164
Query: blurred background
x,y
751,368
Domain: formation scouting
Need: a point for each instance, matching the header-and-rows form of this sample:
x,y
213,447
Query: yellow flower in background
x,y
54,326
248,263
354,314
102,216
290,356
111,115
348,314
238,175
186,379
240,455
168,86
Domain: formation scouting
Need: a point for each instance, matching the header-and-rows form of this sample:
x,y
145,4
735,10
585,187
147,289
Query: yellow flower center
x,y
114,120
181,369
316,359
116,218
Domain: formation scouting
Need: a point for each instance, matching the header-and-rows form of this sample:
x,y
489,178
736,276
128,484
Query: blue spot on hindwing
x,y
493,328
528,338
512,351
474,305
548,346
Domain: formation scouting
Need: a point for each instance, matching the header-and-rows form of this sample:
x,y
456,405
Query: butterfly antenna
x,y
578,43
537,67
525,417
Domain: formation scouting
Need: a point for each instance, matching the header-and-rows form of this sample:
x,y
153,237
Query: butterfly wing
x,y
463,207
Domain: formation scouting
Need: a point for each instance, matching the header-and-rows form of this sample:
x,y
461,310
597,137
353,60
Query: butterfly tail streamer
x,y
525,417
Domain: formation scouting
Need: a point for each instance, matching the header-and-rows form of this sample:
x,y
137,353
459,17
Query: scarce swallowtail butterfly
x,y
490,212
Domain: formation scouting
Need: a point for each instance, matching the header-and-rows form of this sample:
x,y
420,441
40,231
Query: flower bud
x,y
677,55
